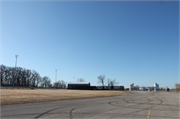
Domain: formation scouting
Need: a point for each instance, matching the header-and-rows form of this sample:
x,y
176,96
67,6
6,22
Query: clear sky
x,y
133,42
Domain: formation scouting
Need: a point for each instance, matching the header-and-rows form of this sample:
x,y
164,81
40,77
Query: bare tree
x,y
109,82
177,87
136,87
60,82
46,82
55,85
28,77
101,80
80,80
63,84
114,82
22,77
2,72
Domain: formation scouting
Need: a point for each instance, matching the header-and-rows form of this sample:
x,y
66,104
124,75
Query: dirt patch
x,y
15,96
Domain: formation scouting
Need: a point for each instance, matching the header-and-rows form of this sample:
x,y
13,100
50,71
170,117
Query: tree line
x,y
18,76
27,78
106,82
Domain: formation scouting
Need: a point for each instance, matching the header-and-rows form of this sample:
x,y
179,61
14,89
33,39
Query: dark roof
x,y
79,83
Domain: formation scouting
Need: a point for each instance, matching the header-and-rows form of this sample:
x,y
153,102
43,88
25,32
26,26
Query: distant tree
x,y
60,82
2,72
49,83
37,78
80,80
177,87
136,87
101,80
55,85
161,89
109,82
63,84
46,82
22,77
114,82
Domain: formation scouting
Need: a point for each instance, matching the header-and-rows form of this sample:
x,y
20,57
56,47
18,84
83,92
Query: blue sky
x,y
133,42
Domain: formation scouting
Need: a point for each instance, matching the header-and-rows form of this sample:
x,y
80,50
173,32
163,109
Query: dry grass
x,y
20,96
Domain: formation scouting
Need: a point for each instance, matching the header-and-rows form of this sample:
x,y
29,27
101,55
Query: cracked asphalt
x,y
152,105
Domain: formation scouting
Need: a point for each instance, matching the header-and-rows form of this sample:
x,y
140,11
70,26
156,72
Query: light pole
x,y
15,68
73,78
56,76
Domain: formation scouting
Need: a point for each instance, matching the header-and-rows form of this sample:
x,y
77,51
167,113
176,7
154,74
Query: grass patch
x,y
20,96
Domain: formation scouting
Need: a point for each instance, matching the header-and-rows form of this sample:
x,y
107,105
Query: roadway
x,y
152,105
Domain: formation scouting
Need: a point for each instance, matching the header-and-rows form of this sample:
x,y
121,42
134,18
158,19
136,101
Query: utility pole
x,y
15,69
56,77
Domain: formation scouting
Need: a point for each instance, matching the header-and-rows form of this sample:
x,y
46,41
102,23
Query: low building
x,y
143,89
149,89
73,85
156,87
131,87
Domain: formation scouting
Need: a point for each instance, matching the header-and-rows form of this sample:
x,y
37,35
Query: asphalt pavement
x,y
152,105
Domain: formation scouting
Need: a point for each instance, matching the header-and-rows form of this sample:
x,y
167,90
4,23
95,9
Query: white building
x,y
131,87
156,87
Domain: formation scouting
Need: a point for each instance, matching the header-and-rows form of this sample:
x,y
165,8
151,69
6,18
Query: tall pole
x,y
56,76
15,69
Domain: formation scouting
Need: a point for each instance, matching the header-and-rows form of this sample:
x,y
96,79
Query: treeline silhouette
x,y
25,78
